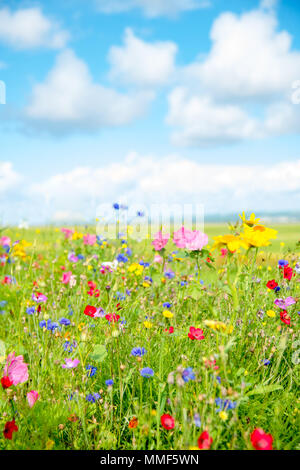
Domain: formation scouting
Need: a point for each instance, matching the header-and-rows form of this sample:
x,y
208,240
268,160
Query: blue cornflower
x,y
92,370
169,274
225,404
122,258
3,303
167,305
128,251
116,206
30,310
65,321
68,347
120,296
92,397
109,382
138,352
266,362
147,372
277,289
188,374
282,263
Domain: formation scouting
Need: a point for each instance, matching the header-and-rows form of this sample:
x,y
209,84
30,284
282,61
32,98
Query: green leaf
x,y
262,389
99,353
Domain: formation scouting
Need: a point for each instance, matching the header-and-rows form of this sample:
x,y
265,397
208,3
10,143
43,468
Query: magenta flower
x,y
67,232
32,397
190,240
70,363
284,303
5,241
89,239
15,369
66,277
160,240
38,297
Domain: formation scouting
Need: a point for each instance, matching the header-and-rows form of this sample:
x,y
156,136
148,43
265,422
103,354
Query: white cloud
x,y
249,58
151,8
149,180
142,63
202,122
69,100
242,89
29,28
9,179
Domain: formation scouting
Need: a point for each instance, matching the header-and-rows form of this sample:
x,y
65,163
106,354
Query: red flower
x,y
133,423
272,284
90,311
112,317
260,440
284,317
9,428
195,333
288,273
170,330
6,382
204,441
167,422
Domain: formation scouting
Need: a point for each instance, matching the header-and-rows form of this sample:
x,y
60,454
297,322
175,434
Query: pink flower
x,y
15,369
70,363
190,240
32,397
284,303
89,239
160,240
66,277
224,252
158,259
67,232
5,241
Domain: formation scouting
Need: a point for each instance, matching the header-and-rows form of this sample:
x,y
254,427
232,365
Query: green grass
x,y
265,395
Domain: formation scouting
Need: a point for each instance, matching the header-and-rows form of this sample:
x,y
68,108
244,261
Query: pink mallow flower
x,y
70,363
32,397
160,240
190,240
67,232
284,303
89,239
66,277
158,259
16,369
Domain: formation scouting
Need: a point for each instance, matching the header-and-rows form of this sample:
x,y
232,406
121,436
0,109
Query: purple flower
x,y
284,303
147,372
188,374
70,363
39,297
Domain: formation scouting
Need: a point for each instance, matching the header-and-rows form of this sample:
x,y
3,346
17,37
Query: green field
x,y
241,373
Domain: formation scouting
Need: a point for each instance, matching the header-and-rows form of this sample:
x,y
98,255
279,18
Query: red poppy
x,y
288,272
195,333
260,440
90,311
170,330
272,284
6,382
112,317
205,441
9,428
167,422
284,317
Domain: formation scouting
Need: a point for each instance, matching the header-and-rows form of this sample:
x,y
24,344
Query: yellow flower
x,y
148,324
223,415
250,222
49,444
233,242
258,236
271,313
136,268
218,326
153,412
168,314
77,236
146,284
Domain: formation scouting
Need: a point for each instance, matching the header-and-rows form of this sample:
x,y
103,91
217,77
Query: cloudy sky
x,y
148,101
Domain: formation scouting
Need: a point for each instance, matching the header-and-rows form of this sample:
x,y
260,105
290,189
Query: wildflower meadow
x,y
186,340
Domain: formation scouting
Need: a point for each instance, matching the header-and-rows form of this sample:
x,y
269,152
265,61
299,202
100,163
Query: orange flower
x,y
133,423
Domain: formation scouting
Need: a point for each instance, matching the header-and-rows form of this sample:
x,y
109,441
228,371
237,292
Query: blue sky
x,y
143,101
